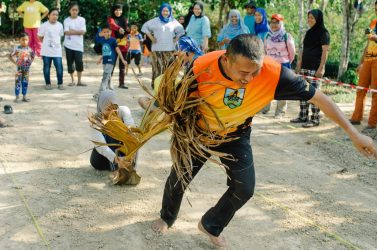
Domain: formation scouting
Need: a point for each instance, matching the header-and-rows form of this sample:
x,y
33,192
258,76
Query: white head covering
x,y
106,97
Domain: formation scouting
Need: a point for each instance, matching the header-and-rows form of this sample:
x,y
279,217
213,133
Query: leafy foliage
x,y
96,11
350,76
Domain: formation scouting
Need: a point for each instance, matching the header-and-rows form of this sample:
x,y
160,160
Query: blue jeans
x,y
287,65
58,63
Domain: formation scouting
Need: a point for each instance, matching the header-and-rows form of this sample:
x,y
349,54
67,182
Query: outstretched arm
x,y
363,144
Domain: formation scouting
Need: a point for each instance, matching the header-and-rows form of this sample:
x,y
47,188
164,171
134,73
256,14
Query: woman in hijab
x,y
199,27
312,63
233,28
119,30
105,157
164,31
261,23
279,45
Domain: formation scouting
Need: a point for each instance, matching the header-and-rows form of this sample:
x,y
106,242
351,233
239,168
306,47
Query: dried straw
x,y
178,113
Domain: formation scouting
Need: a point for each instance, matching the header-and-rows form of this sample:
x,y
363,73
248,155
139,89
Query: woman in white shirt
x,y
74,30
164,31
104,157
50,34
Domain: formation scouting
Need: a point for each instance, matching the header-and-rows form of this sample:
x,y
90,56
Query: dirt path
x,y
313,191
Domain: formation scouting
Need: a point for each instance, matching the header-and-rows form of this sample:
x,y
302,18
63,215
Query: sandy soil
x,y
313,191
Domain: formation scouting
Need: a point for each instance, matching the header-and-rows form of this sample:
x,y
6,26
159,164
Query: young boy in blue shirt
x,y
108,58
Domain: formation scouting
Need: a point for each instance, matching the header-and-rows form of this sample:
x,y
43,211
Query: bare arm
x,y
11,58
153,39
120,55
74,32
205,44
99,60
44,15
362,143
299,62
321,70
372,37
223,42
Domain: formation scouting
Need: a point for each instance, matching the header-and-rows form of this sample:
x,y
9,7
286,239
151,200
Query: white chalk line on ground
x,y
311,222
304,218
26,205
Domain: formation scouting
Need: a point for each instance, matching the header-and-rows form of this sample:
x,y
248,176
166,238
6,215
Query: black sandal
x,y
8,109
298,120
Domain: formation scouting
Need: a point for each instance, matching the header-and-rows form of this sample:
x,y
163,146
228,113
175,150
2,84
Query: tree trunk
x,y
310,3
226,11
350,18
221,10
57,4
324,5
301,25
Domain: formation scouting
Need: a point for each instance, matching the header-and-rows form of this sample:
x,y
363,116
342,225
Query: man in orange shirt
x,y
236,84
368,79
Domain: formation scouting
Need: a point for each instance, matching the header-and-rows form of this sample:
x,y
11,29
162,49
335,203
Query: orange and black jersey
x,y
235,105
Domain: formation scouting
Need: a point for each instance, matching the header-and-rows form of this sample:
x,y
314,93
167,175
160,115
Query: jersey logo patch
x,y
233,97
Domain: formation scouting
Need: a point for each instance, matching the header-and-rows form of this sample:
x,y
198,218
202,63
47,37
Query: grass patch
x,y
339,94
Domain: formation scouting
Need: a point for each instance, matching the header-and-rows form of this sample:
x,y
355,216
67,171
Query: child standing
x,y
249,18
31,12
135,40
22,56
74,30
50,33
108,58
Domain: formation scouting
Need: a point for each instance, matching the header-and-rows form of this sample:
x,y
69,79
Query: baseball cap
x,y
277,17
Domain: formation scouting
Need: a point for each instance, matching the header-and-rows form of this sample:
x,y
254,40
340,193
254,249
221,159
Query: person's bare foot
x,y
159,226
218,242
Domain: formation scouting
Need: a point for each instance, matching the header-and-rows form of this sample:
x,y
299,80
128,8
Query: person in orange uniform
x,y
237,83
368,79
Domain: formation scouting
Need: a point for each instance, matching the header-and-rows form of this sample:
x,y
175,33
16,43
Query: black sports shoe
x,y
298,120
355,122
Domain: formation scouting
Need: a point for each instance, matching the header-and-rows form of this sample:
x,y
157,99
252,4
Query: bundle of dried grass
x,y
177,112
131,138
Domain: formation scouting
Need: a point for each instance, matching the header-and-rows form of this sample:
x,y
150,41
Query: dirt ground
x,y
313,190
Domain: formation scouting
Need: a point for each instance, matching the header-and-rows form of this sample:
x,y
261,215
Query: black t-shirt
x,y
293,87
311,56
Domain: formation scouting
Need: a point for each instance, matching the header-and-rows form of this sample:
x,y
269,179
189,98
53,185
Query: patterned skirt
x,y
160,61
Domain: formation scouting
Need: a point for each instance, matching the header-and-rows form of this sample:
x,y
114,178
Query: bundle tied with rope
x,y
177,112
